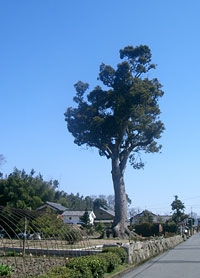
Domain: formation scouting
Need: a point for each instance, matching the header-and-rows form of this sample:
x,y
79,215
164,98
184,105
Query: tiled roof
x,y
56,206
108,210
74,212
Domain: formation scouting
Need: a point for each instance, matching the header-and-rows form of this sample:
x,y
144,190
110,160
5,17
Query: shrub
x,y
89,266
5,270
97,266
93,266
80,264
121,252
147,229
170,227
100,227
62,272
111,260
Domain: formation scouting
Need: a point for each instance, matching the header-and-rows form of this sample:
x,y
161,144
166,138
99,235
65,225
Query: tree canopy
x,y
126,116
178,208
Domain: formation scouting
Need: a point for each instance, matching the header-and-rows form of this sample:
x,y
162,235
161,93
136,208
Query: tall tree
x,y
121,121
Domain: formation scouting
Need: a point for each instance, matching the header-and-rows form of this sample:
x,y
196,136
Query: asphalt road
x,y
181,262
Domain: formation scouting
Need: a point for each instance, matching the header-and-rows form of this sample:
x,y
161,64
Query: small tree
x,y
121,121
178,208
85,218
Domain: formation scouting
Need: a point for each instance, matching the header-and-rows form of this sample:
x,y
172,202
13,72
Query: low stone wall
x,y
141,251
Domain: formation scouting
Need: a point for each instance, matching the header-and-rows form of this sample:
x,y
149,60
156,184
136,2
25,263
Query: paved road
x,y
181,262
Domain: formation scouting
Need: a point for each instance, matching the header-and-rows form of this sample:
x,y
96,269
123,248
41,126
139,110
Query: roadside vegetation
x,y
90,266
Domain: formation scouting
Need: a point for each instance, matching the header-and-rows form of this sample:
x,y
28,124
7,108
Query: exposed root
x,y
122,232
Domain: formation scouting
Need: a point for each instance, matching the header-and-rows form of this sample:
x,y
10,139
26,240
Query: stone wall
x,y
141,251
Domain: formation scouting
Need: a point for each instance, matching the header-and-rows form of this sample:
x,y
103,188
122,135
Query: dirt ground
x,y
31,266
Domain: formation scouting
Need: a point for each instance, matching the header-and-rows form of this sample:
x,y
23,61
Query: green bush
x,y
147,229
100,227
5,270
170,227
62,272
121,252
97,266
80,264
93,266
111,260
89,266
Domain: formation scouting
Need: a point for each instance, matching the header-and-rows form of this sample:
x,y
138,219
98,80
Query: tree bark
x,y
120,227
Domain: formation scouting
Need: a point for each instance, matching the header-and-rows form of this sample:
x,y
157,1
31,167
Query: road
x,y
181,262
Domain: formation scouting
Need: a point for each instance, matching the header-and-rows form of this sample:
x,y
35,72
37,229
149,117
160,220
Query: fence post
x,y
24,238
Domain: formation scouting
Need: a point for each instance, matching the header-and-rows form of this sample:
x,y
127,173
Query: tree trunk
x,y
120,227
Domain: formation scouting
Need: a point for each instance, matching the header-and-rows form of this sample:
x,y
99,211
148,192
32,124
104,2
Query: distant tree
x,y
133,211
111,201
121,121
22,190
2,160
100,203
85,218
178,208
146,218
49,225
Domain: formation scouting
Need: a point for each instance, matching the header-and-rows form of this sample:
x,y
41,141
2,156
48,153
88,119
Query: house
x,y
58,208
104,214
148,216
73,216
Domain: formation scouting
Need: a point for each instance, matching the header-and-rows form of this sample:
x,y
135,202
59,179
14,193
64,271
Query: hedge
x,y
121,252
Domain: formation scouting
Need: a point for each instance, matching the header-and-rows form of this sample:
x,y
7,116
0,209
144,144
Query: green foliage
x,y
22,190
5,270
81,265
122,120
170,227
100,202
121,252
146,218
100,227
52,226
126,116
89,266
111,260
85,218
97,264
147,229
178,208
61,272
151,229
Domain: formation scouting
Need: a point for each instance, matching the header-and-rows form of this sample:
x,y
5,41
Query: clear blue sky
x,y
47,46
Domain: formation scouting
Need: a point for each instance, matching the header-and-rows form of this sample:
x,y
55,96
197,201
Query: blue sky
x,y
47,46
